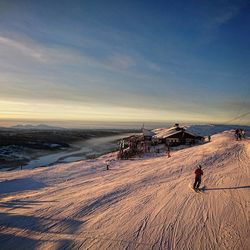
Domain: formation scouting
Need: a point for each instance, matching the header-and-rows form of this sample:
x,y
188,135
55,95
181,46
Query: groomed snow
x,y
138,204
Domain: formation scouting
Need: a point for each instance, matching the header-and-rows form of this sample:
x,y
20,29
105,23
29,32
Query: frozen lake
x,y
88,148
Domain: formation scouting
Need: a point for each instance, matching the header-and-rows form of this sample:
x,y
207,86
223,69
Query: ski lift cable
x,y
241,115
244,103
237,118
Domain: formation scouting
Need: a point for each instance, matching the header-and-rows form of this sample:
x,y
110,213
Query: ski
x,y
199,190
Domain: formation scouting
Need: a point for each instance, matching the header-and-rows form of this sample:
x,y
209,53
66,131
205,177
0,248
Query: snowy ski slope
x,y
138,204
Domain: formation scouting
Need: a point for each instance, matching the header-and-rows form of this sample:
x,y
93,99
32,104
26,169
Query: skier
x,y
198,173
243,134
237,131
240,134
168,151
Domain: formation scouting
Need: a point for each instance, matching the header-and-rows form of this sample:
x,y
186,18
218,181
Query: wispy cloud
x,y
32,51
121,61
153,66
24,47
23,53
224,15
217,14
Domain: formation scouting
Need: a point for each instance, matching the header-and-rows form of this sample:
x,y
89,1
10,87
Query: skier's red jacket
x,y
198,173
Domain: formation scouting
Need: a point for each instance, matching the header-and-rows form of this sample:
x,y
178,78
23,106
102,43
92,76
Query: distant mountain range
x,y
36,127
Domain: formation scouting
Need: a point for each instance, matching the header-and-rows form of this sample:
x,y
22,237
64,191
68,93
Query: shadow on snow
x,y
19,185
33,224
226,188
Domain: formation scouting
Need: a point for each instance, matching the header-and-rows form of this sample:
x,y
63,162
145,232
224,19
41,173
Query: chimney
x,y
177,127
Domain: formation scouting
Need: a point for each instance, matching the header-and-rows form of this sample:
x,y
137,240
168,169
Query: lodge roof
x,y
147,132
169,132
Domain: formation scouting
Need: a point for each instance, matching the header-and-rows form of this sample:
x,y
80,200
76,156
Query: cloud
x,y
225,14
20,50
23,55
218,13
153,66
121,61
24,49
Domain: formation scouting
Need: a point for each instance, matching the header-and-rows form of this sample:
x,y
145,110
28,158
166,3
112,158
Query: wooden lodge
x,y
177,135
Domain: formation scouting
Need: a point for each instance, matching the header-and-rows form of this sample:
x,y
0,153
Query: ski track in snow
x,y
138,204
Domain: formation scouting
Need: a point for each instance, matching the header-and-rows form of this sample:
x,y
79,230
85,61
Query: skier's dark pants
x,y
197,183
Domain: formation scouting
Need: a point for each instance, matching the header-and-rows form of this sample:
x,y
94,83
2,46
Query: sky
x,y
76,62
